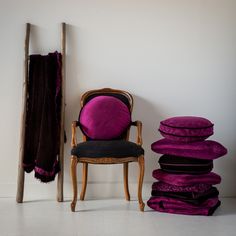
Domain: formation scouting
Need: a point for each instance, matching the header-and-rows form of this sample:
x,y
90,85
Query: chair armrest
x,y
73,137
138,124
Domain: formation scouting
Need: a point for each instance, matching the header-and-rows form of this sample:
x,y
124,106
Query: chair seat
x,y
111,148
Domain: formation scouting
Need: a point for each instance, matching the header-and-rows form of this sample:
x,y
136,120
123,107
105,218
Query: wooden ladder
x,y
21,173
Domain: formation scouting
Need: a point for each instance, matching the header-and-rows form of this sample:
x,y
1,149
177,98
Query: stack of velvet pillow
x,y
185,181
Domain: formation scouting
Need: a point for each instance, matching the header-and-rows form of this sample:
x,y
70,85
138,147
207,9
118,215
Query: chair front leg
x,y
73,166
126,183
140,182
84,181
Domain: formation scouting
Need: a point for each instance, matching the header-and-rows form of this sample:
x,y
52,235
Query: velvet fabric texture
x,y
186,180
175,206
207,149
185,165
42,131
107,148
193,198
195,188
104,118
186,128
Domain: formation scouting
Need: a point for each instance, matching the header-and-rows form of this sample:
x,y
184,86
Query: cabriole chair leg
x,y
140,182
73,166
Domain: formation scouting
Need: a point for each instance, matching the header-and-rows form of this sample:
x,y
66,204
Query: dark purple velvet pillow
x,y
104,118
186,128
207,149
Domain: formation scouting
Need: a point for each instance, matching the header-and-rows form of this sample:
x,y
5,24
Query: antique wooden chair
x,y
106,151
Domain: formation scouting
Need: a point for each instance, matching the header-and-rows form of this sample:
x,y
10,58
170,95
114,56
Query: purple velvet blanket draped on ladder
x,y
42,132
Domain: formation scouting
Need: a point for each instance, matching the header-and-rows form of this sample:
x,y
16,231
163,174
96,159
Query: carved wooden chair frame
x,y
107,160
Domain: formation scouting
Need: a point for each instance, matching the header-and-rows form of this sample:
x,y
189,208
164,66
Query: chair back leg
x,y
126,182
84,181
140,182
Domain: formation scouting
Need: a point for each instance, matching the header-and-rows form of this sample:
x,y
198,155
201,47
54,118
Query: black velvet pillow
x,y
184,165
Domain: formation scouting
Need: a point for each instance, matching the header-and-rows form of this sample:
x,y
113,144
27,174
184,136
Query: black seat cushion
x,y
111,148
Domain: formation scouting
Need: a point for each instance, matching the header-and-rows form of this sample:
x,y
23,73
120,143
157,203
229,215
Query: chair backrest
x,y
125,97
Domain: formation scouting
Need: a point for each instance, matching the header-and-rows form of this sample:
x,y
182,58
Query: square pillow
x,y
186,128
207,149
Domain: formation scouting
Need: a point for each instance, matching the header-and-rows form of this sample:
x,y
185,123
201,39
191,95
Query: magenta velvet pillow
x,y
195,188
207,149
176,206
186,128
186,180
104,117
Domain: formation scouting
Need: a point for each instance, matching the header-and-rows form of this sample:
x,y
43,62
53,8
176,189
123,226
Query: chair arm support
x,y
138,124
73,129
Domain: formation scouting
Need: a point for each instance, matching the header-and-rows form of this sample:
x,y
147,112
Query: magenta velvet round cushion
x,y
207,149
104,117
186,128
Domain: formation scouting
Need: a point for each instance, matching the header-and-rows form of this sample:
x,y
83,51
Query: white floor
x,y
109,217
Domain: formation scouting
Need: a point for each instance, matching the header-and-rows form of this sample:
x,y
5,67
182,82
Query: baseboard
x,y
95,190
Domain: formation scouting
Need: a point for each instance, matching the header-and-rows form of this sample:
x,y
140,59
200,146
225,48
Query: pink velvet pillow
x,y
186,128
104,118
207,149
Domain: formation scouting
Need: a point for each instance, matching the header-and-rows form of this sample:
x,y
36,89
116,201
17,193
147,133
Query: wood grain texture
x,y
139,136
73,132
73,166
140,182
126,180
61,153
107,90
84,181
107,160
21,173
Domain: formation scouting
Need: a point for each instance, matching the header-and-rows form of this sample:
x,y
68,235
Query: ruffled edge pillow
x,y
104,118
207,149
186,128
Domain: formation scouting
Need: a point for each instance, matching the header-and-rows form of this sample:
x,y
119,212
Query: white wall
x,y
175,57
